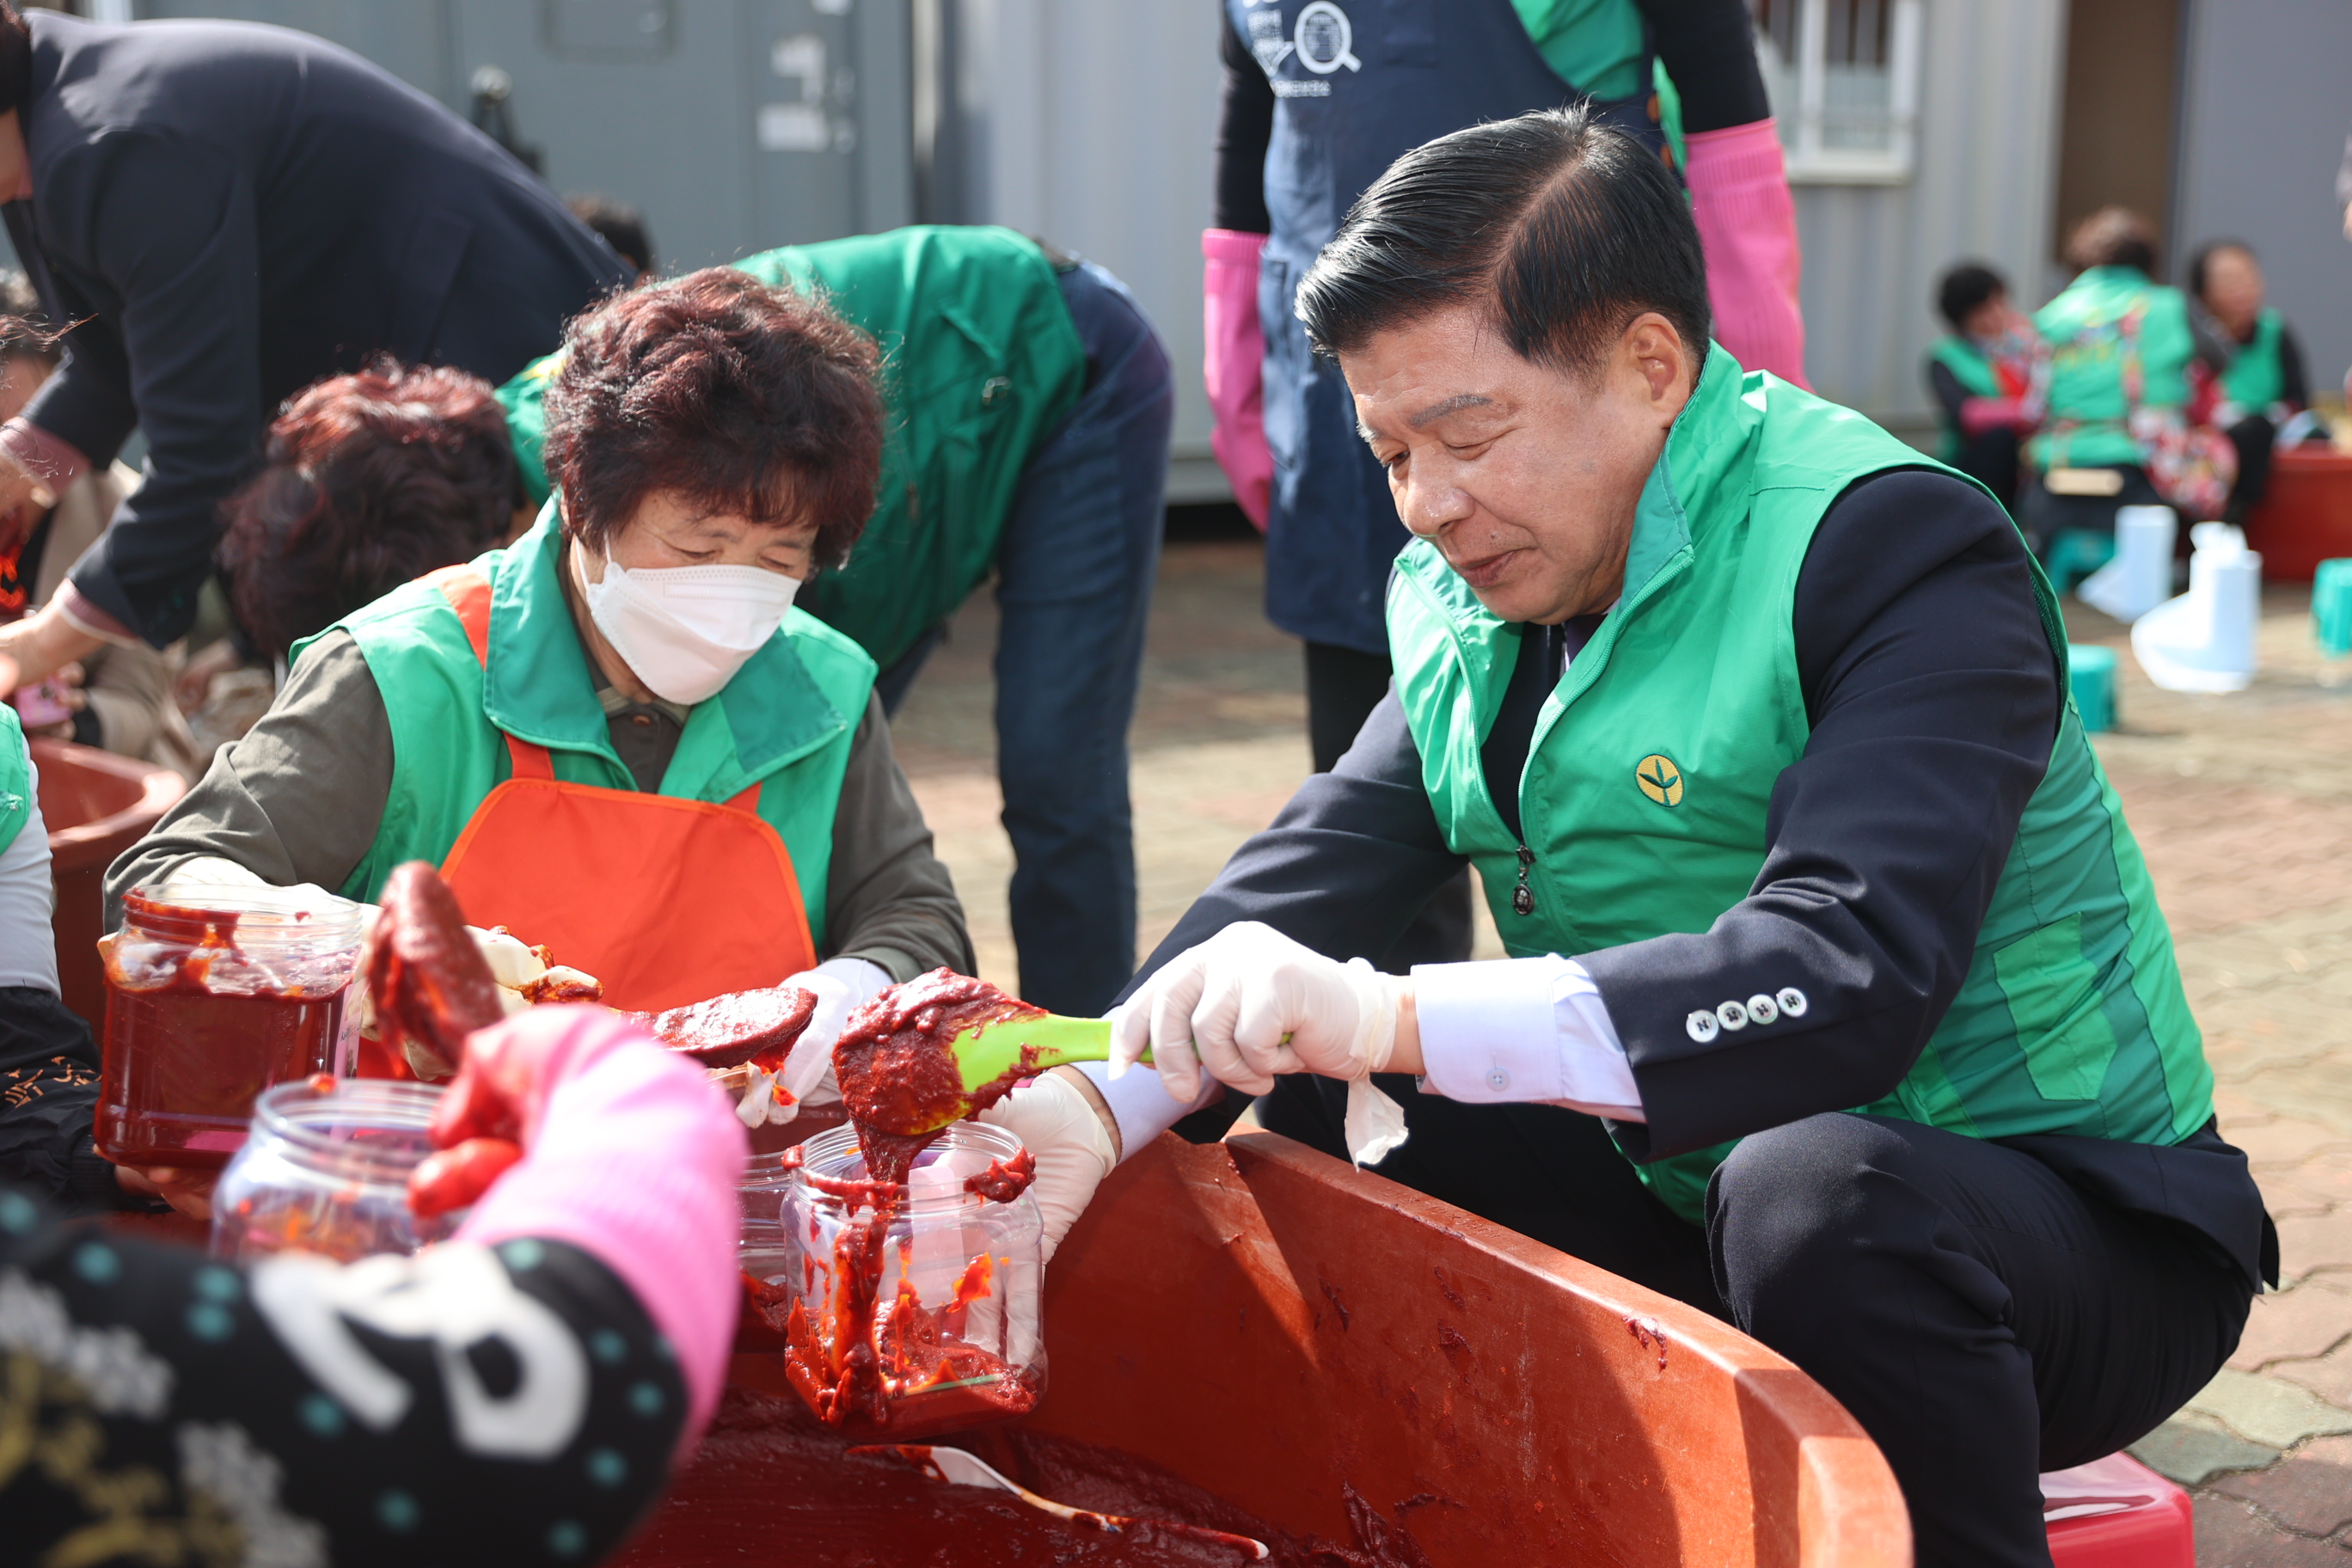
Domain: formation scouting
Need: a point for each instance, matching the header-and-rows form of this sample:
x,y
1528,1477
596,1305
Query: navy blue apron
x,y
1358,84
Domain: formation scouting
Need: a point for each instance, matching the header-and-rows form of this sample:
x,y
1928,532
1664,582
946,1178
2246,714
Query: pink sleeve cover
x,y
1747,224
634,1160
1234,365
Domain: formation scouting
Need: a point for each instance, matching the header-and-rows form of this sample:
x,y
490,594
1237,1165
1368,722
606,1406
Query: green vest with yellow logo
x,y
1651,768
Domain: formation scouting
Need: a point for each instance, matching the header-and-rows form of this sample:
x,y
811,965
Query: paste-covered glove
x,y
1065,1135
523,974
1250,1003
841,986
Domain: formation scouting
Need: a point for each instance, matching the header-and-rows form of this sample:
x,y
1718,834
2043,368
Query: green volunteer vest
x,y
1976,376
15,777
2093,356
785,721
981,361
2255,378
1653,764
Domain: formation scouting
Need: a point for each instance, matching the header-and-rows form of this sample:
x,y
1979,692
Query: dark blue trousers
x,y
1074,577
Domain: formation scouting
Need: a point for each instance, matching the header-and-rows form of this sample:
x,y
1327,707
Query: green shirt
x,y
2117,342
980,361
1594,46
2256,377
15,777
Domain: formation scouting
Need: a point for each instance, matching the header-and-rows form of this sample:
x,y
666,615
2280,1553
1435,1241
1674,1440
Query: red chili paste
x,y
755,1026
894,1070
1004,1180
429,982
770,1484
182,1062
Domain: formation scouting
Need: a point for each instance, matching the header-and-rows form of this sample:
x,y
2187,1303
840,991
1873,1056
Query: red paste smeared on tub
x,y
770,1484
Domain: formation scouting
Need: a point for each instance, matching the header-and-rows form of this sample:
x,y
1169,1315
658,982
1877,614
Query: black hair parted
x,y
1964,287
1566,229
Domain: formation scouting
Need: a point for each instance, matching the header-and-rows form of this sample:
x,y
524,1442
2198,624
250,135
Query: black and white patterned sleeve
x,y
511,1404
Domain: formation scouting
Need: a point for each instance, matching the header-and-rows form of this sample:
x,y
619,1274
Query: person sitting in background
x,y
516,1394
1980,374
2114,429
2247,379
620,226
119,698
369,480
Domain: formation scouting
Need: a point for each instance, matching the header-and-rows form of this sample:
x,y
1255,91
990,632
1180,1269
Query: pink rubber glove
x,y
1748,225
1234,365
632,1155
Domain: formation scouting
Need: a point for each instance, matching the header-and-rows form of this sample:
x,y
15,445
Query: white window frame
x,y
1810,163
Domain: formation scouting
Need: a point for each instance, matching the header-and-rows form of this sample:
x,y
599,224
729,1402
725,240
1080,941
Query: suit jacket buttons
x,y
1732,1014
1701,1025
1761,1009
1793,1001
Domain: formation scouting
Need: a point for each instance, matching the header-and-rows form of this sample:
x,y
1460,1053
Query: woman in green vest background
x,y
2248,375
1980,374
2115,429
1838,1002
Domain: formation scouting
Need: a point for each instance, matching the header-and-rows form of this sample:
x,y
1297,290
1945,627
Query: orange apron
x,y
664,900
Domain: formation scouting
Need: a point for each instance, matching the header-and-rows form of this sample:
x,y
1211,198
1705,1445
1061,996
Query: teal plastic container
x,y
2092,672
2331,607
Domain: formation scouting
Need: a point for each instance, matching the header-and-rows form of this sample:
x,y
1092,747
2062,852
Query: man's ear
x,y
1657,355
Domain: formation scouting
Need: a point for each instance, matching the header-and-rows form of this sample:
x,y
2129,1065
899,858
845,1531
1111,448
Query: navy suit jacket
x,y
229,212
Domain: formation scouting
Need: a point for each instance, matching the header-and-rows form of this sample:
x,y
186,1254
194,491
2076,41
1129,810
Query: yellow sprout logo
x,y
1660,779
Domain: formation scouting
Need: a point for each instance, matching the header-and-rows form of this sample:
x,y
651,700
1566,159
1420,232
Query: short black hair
x,y
1566,229
1966,286
2204,258
617,223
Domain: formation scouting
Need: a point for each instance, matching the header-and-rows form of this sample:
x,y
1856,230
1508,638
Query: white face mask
x,y
685,630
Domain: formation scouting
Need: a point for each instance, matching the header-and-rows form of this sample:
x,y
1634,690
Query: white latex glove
x,y
841,985
1248,1005
1058,1125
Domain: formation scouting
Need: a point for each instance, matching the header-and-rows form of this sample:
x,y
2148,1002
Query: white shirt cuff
x,y
1522,1030
1142,1108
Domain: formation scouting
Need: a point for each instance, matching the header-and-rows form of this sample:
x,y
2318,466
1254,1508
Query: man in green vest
x,y
1839,1000
1029,403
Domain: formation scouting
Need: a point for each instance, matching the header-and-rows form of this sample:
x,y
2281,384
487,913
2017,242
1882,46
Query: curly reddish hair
x,y
738,397
368,480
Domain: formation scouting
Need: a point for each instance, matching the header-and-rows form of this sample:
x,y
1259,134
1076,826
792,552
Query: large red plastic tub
x,y
96,805
1277,1326
2305,517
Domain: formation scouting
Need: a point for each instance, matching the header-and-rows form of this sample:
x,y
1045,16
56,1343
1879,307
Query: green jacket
x,y
2117,342
2256,378
1975,373
785,721
2070,1019
979,363
15,777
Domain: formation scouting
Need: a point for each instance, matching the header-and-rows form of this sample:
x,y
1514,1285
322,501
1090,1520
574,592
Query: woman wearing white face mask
x,y
616,736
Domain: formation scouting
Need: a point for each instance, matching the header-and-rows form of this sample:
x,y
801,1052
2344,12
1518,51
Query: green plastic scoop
x,y
986,1053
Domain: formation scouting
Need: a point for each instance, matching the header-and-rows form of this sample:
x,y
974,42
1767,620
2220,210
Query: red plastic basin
x,y
96,805
1274,1325
2305,517
2116,1512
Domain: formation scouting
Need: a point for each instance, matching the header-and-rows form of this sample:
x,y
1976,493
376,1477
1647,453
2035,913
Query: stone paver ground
x,y
2243,803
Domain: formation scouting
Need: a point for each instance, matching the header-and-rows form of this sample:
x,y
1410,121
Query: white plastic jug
x,y
2204,640
2139,577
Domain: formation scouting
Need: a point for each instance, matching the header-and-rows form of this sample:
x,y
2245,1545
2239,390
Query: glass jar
x,y
764,1257
326,1171
912,1310
205,1007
